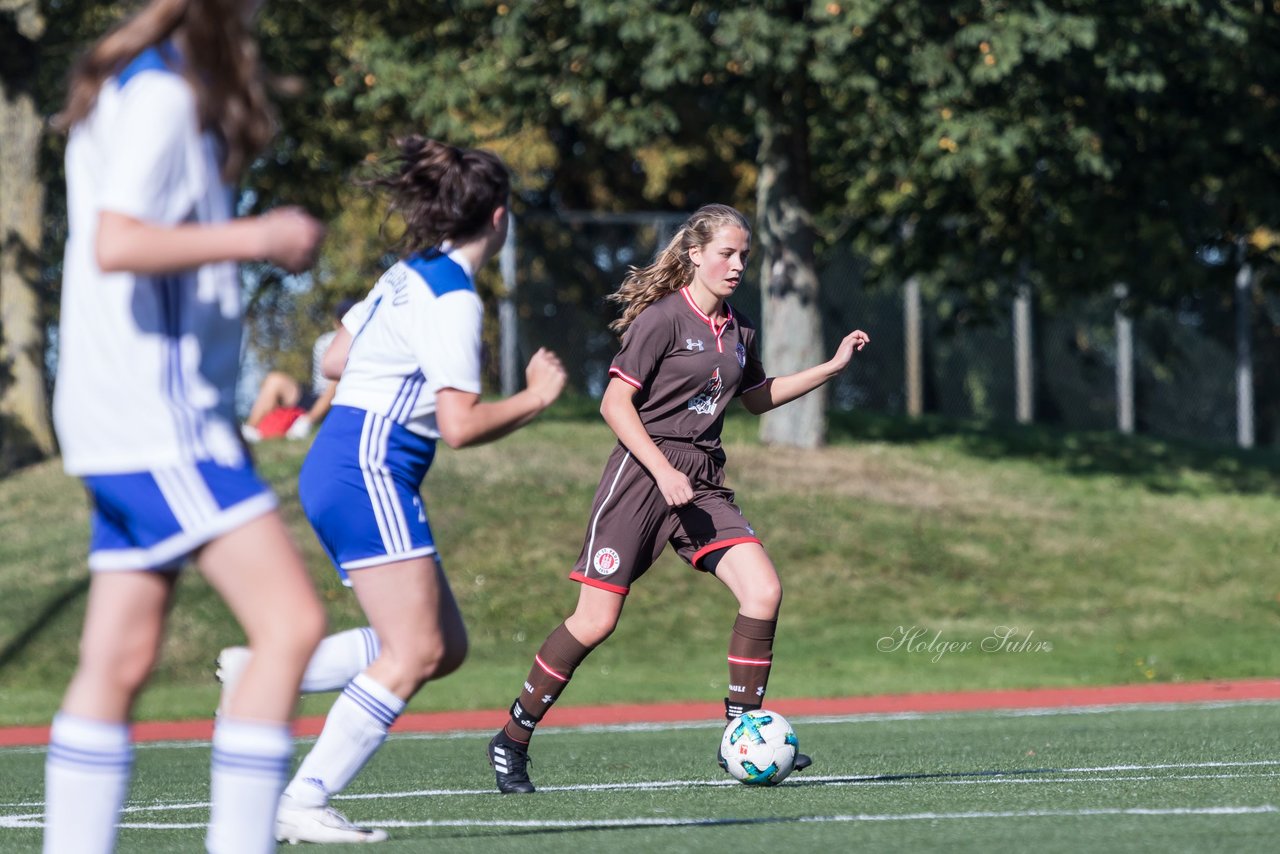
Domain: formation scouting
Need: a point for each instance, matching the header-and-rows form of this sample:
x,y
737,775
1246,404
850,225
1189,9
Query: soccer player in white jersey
x,y
165,113
409,360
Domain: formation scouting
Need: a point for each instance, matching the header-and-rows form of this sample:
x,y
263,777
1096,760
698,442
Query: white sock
x,y
355,729
339,659
250,765
86,776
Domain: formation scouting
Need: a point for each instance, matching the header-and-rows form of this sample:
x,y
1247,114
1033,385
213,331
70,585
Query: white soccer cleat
x,y
231,663
320,824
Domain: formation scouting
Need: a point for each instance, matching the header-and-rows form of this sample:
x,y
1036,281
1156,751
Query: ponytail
x,y
443,193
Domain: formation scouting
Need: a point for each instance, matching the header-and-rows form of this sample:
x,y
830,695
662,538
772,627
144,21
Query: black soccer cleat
x,y
803,761
510,764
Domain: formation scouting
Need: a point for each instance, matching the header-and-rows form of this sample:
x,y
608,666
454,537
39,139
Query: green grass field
x,y
1167,779
1117,560
1122,559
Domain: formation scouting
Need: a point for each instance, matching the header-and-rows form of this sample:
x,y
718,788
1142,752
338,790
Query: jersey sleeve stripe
x,y
629,380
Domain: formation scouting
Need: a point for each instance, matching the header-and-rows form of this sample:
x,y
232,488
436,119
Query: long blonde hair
x,y
672,269
219,61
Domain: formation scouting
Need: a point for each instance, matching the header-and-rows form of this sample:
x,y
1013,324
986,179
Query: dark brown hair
x,y
219,59
672,269
443,193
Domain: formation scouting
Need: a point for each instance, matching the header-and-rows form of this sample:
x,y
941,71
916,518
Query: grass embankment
x,y
915,556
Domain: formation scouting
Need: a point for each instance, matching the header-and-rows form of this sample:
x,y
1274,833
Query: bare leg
x,y
752,579
277,389
596,616
123,626
259,573
412,609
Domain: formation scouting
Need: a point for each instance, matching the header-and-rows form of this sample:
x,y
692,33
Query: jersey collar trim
x,y
724,324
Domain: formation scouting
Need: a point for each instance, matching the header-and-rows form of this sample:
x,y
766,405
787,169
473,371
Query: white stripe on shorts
x,y
169,553
591,542
374,437
187,495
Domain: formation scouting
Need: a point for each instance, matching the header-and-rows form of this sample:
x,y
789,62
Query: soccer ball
x,y
759,748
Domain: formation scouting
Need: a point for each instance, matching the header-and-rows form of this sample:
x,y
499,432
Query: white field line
x,y
552,824
550,729
1100,774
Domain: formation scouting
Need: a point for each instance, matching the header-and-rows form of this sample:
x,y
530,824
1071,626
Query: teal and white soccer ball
x,y
759,748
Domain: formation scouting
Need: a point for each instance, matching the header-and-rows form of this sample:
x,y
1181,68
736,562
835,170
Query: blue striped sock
x,y
86,774
355,729
250,765
339,659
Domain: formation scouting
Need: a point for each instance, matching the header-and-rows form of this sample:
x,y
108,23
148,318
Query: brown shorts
x,y
631,522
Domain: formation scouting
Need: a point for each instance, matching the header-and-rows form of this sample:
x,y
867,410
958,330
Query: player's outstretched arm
x,y
287,237
464,420
777,391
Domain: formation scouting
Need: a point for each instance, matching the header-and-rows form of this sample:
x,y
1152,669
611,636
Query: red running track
x,y
568,716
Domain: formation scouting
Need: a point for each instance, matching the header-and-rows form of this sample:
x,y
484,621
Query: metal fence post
x,y
508,322
1124,363
1023,368
1244,352
914,346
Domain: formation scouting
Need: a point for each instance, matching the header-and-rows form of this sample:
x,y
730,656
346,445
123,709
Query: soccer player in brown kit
x,y
685,354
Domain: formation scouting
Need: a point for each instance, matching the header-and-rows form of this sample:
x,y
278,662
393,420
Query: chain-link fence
x,y
1184,356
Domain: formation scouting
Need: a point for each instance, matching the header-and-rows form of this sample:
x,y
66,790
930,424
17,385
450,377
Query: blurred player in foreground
x,y
165,114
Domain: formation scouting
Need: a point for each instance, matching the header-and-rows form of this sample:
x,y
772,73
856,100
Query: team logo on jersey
x,y
742,355
606,561
693,344
704,402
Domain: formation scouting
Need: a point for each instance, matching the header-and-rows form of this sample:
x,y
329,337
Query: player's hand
x,y
545,376
674,486
853,342
291,238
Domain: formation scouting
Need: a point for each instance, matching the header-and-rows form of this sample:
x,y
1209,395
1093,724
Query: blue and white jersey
x,y
147,364
417,331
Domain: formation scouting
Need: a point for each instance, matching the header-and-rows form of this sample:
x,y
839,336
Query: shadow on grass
x,y
1160,465
25,636
1170,466
534,827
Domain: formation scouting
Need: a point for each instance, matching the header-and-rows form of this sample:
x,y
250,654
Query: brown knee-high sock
x,y
553,667
750,657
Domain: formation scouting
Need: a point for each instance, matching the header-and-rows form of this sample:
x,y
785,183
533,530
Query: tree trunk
x,y
791,323
25,430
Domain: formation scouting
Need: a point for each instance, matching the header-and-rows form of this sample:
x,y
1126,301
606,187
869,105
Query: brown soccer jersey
x,y
686,369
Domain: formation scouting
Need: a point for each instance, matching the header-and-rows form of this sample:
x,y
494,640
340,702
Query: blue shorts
x,y
155,519
359,489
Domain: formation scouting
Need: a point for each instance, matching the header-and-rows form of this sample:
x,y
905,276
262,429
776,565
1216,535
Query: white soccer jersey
x,y
417,331
147,364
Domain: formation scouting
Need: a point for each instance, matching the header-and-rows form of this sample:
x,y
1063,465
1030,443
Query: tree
x,y
661,85
25,429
